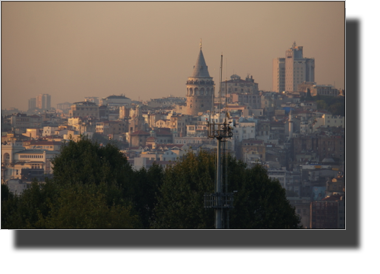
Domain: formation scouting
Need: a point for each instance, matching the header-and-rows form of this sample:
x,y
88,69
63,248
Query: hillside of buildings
x,y
296,132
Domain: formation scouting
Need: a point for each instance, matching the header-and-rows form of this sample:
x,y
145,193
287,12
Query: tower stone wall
x,y
199,95
200,88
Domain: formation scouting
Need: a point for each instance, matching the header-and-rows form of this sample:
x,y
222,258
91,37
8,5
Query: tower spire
x,y
200,44
200,68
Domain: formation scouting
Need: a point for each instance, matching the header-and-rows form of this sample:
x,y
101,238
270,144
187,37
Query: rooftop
x,y
139,132
84,103
116,97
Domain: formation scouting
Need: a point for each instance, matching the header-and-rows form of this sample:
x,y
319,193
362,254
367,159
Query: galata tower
x,y
200,88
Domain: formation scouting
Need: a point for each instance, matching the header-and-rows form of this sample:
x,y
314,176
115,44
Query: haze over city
x,y
71,50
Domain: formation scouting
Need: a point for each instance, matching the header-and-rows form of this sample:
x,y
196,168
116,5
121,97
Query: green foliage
x,y
259,202
335,105
5,193
23,211
92,188
145,188
105,166
337,108
84,206
101,139
181,200
51,206
321,105
95,187
85,161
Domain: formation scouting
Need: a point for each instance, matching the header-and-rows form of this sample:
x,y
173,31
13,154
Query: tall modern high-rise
x,y
200,88
43,101
278,83
292,70
32,103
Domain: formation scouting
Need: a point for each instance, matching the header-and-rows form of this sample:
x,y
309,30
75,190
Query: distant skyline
x,y
73,50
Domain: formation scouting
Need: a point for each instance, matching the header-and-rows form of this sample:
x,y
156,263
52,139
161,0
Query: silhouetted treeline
x,y
335,105
95,187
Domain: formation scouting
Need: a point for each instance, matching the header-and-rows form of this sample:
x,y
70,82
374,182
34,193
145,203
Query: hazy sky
x,y
147,50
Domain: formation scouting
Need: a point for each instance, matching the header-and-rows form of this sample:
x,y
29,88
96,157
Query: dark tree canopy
x,y
92,187
336,105
85,161
180,202
95,187
260,203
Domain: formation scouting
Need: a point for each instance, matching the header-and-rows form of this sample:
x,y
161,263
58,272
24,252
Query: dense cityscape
x,y
296,132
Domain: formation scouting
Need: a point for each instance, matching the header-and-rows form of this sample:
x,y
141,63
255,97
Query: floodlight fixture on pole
x,y
219,200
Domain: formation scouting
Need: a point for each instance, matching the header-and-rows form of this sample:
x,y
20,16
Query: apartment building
x,y
84,109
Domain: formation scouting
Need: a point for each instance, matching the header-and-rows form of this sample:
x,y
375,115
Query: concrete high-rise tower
x,y
43,101
278,82
292,70
200,88
297,68
32,104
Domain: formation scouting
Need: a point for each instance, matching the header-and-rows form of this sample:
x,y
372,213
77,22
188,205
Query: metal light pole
x,y
219,200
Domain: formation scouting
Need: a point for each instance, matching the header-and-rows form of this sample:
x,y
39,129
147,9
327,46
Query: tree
x,y
101,139
23,211
85,161
180,201
335,105
258,203
95,187
5,193
92,187
50,205
321,105
146,184
84,206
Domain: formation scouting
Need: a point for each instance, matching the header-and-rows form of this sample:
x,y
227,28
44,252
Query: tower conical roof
x,y
200,68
